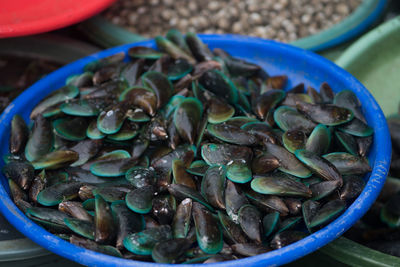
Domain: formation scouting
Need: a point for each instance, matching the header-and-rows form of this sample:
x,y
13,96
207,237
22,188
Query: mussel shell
x,y
180,176
198,167
22,173
294,139
270,223
52,219
169,251
267,202
113,167
142,243
83,107
267,102
249,219
91,245
198,48
144,52
357,127
231,230
285,238
160,85
329,115
309,209
93,132
234,200
219,111
187,117
104,222
352,187
181,192
348,164
279,184
140,199
323,189
347,141
75,209
208,232
220,84
86,150
19,134
140,176
319,140
41,139
57,193
55,160
262,131
231,134
127,222
238,171
81,227
327,213
58,96
72,129
182,219
111,119
288,118
264,163
249,249
222,154
164,208
173,50
288,162
213,185
141,97
319,165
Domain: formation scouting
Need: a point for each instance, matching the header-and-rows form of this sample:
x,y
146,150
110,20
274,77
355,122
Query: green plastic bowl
x,y
107,34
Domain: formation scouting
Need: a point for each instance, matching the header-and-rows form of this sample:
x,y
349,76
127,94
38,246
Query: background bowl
x,y
275,58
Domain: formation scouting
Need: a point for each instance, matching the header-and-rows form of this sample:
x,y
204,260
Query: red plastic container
x,y
25,17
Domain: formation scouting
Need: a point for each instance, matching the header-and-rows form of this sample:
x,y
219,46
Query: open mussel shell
x,y
319,140
288,162
169,251
279,184
208,232
140,199
19,134
348,164
56,97
288,118
213,185
41,139
319,165
329,115
57,193
231,134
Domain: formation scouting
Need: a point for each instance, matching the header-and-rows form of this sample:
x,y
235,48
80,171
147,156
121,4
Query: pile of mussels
x,y
184,155
380,228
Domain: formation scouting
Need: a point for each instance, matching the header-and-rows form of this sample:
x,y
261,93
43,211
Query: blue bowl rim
x,y
273,258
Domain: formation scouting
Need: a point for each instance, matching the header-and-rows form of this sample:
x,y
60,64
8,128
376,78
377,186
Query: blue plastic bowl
x,y
275,58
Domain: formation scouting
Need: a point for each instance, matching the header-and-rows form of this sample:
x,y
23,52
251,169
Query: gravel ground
x,y
284,20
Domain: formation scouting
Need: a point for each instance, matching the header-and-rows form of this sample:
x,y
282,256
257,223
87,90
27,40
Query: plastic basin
x,y
107,34
300,65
